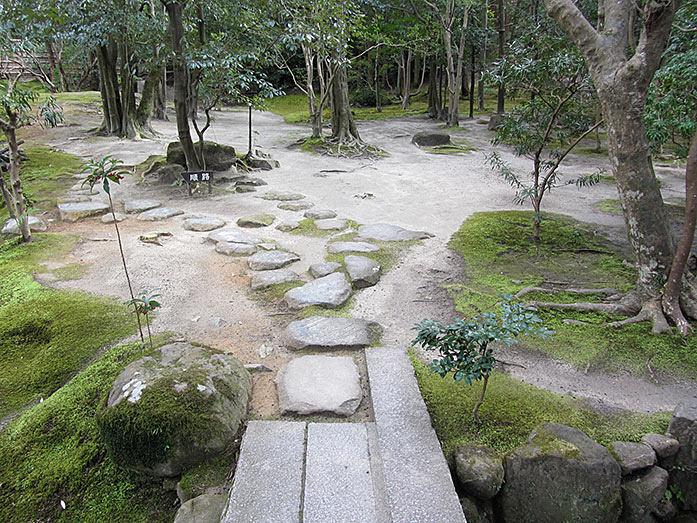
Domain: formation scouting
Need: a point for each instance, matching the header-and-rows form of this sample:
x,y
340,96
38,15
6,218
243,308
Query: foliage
x,y
144,304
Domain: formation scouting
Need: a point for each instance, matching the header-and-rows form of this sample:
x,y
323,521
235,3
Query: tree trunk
x,y
109,88
376,81
472,82
146,107
433,98
501,95
128,99
406,84
343,126
482,57
315,115
17,206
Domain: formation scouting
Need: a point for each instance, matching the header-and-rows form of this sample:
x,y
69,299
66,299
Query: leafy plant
x,y
145,304
465,346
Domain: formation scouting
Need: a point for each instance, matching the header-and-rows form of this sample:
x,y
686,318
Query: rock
x,y
167,174
265,351
256,220
268,246
244,188
218,321
203,224
341,247
235,249
74,198
265,164
663,446
479,471
320,214
257,367
390,233
138,206
496,121
35,224
218,157
632,456
231,236
251,181
268,260
665,510
683,471
430,139
295,206
264,279
560,475
207,508
180,407
108,218
322,269
330,292
477,511
288,225
641,494
362,271
283,196
331,224
323,333
319,384
72,212
160,213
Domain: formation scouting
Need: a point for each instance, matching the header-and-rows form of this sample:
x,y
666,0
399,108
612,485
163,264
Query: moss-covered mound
x,y
219,157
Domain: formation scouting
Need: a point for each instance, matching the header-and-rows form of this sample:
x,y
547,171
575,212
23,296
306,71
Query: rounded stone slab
x,y
320,214
269,260
331,224
231,236
72,212
283,196
322,269
632,456
108,218
35,224
322,333
203,224
295,206
319,384
362,271
256,220
288,225
138,206
159,213
235,249
264,279
329,291
340,247
390,233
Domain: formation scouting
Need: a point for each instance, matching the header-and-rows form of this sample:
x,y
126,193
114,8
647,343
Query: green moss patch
x,y
388,256
457,147
213,473
307,228
71,271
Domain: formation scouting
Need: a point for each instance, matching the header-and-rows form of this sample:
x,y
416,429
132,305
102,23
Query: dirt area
x,y
206,295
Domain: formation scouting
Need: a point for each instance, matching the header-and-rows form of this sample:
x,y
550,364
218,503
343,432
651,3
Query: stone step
x,y
417,479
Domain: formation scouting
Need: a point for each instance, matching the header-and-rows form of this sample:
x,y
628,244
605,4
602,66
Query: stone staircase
x,y
388,471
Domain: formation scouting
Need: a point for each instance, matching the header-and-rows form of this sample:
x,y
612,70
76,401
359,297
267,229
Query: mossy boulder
x,y
218,157
683,465
430,139
559,475
479,471
207,508
173,410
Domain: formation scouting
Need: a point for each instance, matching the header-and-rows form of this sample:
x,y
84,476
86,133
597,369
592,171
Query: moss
x,y
388,256
458,147
549,444
277,292
71,271
307,228
151,163
329,148
343,311
213,473
611,206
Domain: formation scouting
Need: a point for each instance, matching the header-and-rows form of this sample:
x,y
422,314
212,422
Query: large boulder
x,y
641,494
479,471
632,456
683,465
218,157
560,475
430,139
35,224
178,407
207,508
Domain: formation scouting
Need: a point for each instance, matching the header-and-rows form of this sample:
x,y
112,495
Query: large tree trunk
x,y
15,202
343,126
315,115
146,107
128,99
482,56
109,88
501,94
406,84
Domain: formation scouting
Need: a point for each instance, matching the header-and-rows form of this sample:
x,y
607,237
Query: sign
x,y
196,177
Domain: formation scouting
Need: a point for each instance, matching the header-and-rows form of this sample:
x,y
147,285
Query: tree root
x,y
527,290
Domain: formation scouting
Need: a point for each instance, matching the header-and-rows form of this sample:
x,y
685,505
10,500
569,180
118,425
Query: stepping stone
x,y
138,206
295,206
287,225
159,213
250,181
73,198
331,224
321,214
363,272
268,246
341,247
108,218
35,224
231,236
329,291
283,196
72,212
235,249
338,479
264,279
256,220
269,474
203,224
268,260
323,333
322,269
319,384
389,233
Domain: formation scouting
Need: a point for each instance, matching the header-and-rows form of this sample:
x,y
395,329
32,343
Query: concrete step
x,y
417,479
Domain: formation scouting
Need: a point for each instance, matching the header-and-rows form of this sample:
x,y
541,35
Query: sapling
x,y
145,304
465,346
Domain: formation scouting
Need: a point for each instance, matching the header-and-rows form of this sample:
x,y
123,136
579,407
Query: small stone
x,y
207,508
244,188
665,510
72,212
362,271
235,249
265,164
267,246
231,236
318,270
632,456
295,206
265,351
288,225
256,220
331,224
218,321
479,471
663,446
320,214
257,367
269,260
159,213
283,196
389,233
138,206
330,292
203,224
341,247
35,224
108,218
325,333
251,181
264,279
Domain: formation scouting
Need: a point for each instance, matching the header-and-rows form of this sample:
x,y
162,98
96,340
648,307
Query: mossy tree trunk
x,y
15,195
344,130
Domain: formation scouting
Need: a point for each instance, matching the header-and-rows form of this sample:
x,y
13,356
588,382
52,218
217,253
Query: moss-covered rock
x,y
479,470
218,157
178,408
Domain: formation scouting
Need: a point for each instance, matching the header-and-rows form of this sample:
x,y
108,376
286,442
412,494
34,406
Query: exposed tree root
x,y
527,290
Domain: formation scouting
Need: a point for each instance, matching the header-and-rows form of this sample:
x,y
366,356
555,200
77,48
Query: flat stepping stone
x,y
72,198
159,213
363,272
323,333
331,224
288,225
338,479
138,206
108,218
264,279
235,249
35,224
203,224
72,212
319,270
320,214
231,236
251,181
390,233
283,196
295,206
319,384
341,247
256,220
269,260
330,292
269,474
